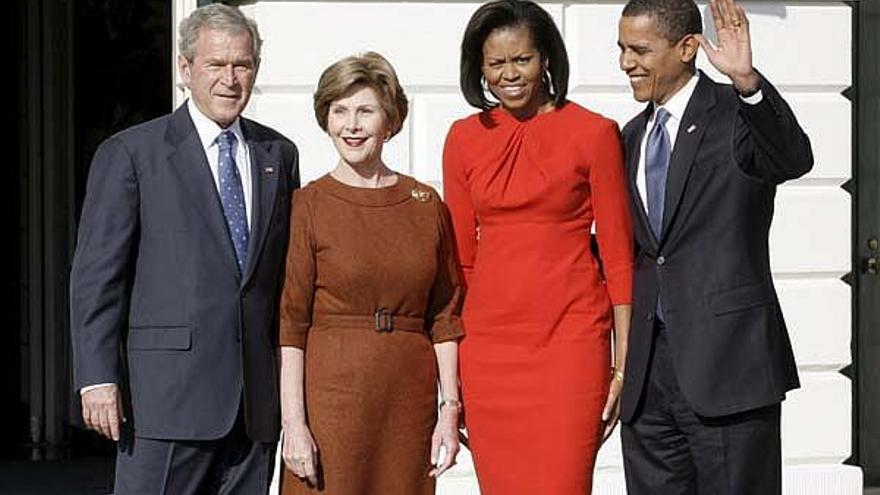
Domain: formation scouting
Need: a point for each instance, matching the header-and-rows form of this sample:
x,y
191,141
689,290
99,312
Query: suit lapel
x,y
633,152
687,141
189,162
265,174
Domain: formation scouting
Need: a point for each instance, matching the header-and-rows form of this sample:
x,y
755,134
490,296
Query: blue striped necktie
x,y
657,153
232,196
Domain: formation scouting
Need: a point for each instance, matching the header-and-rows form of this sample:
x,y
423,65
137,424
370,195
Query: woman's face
x,y
358,127
513,68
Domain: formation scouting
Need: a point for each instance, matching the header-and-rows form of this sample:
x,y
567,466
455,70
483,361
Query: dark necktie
x,y
232,196
657,152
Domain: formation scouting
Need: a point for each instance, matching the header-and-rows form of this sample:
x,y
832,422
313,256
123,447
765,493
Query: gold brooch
x,y
420,195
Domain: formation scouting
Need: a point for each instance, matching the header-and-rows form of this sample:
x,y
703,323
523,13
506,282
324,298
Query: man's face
x,y
221,74
657,68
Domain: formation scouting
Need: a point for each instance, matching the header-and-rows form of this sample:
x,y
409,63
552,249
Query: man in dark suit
x,y
709,355
177,274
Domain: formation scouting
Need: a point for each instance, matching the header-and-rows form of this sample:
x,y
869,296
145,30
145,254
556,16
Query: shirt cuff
x,y
92,387
754,99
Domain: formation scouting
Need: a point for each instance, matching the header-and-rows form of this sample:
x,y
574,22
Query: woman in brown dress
x,y
370,309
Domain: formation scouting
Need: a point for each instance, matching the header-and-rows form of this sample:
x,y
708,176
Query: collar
x,y
208,130
678,102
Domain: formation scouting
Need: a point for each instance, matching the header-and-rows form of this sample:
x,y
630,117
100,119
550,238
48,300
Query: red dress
x,y
538,312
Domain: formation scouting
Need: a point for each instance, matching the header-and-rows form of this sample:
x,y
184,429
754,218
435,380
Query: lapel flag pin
x,y
692,128
269,170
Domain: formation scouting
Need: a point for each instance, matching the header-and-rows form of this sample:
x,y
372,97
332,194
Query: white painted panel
x,y
618,106
811,230
781,36
817,312
827,120
822,480
609,482
610,454
451,484
816,419
431,117
293,116
421,40
591,40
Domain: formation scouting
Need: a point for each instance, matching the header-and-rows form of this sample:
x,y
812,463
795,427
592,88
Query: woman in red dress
x,y
526,180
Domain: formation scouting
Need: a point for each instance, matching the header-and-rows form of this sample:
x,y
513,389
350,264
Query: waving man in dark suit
x,y
709,355
177,276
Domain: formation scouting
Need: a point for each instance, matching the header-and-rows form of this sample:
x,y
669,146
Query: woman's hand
x,y
611,412
300,453
446,436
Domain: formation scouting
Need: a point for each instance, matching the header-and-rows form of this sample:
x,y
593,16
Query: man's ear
x,y
183,69
688,48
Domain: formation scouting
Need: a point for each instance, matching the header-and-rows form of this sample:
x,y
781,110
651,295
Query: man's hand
x,y
733,54
102,410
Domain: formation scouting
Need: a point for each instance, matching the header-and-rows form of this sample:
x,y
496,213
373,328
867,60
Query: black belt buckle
x,y
384,320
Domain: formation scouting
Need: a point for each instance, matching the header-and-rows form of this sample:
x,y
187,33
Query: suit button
x,y
661,260
650,316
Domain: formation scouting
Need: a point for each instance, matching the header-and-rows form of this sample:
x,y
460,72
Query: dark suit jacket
x,y
711,269
157,301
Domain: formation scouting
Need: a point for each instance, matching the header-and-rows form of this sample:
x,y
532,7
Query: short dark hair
x,y
675,18
512,13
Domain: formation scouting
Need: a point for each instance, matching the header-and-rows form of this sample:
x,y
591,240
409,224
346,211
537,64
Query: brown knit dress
x,y
371,284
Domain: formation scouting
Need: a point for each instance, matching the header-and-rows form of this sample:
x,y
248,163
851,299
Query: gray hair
x,y
216,16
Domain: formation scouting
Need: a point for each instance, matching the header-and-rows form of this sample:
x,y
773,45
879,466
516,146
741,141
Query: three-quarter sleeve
x,y
456,193
299,275
444,305
613,221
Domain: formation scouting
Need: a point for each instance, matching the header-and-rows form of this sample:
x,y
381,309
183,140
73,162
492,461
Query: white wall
x,y
803,48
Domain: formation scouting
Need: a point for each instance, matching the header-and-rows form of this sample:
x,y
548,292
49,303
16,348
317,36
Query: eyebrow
x,y
502,58
634,45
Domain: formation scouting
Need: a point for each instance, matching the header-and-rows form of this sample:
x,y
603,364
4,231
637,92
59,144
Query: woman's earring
x,y
486,91
548,81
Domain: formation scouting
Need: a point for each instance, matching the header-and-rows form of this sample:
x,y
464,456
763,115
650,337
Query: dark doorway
x,y
866,251
85,69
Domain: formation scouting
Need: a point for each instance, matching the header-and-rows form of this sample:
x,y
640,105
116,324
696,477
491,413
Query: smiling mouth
x,y
513,90
354,141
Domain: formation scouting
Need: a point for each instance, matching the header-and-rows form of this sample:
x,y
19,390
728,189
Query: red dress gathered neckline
x,y
524,196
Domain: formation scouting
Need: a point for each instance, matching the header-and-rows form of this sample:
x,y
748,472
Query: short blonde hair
x,y
369,69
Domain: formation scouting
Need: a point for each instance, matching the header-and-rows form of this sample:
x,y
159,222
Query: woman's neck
x,y
542,104
374,175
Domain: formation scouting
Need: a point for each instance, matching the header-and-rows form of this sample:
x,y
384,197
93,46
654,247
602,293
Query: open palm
x,y
732,56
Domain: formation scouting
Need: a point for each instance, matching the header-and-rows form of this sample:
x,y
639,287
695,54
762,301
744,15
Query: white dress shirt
x,y
676,106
